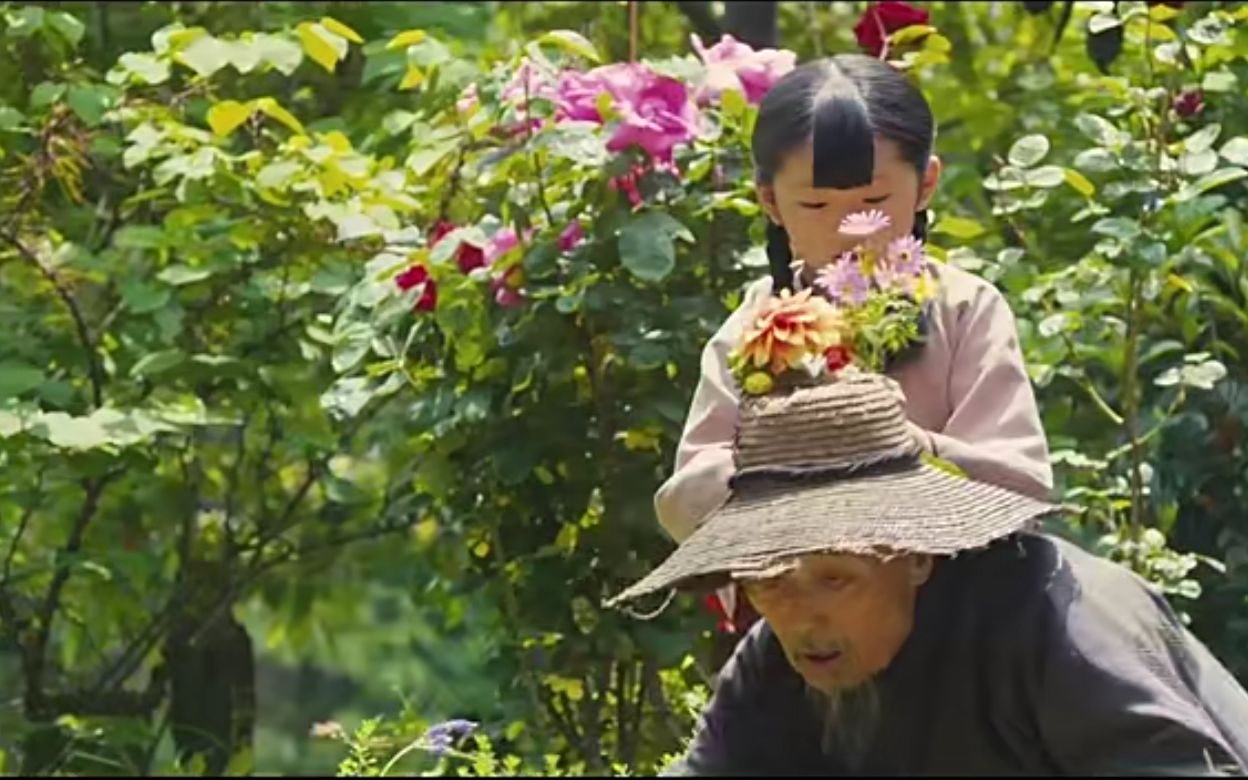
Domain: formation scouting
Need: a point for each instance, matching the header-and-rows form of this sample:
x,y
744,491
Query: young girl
x,y
833,137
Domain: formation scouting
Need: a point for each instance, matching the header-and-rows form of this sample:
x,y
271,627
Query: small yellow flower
x,y
759,383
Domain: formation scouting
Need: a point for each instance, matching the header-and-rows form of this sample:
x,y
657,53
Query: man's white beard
x,y
848,721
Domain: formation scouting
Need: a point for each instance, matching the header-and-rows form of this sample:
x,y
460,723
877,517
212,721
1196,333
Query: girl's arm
x,y
993,431
704,462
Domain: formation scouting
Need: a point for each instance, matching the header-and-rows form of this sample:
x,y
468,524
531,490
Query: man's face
x,y
841,618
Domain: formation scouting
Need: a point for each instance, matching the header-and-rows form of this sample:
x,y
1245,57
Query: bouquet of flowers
x,y
863,309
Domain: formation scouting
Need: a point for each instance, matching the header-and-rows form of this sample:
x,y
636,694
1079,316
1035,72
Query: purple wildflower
x,y
441,737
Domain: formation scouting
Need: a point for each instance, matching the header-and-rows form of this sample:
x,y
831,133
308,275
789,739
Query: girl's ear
x,y
767,199
931,177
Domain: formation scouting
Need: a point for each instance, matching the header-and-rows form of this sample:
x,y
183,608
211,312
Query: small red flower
x,y
724,623
838,358
470,258
439,231
415,276
883,19
1189,103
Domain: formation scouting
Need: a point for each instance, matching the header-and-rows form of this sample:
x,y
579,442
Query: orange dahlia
x,y
789,328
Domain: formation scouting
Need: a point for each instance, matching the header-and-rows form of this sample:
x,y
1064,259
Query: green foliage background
x,y
221,420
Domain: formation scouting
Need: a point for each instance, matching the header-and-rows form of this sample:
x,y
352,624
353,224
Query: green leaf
x,y
139,237
959,227
1198,163
205,55
1046,176
10,118
72,433
148,68
1096,160
18,378
1208,182
24,22
424,159
281,54
351,346
179,275
323,46
1102,22
142,297
45,94
226,116
347,397
156,362
1235,151
406,38
1028,150
1219,81
1100,130
1202,139
338,28
1203,375
1118,227
572,42
67,25
90,101
271,108
1080,184
647,245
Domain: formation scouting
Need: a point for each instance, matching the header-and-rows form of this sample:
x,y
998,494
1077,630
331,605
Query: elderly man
x,y
913,623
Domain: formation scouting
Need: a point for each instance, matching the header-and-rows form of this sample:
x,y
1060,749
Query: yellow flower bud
x,y
759,383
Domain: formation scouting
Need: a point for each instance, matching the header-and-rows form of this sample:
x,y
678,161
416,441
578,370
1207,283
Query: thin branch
x,y
80,323
34,654
21,531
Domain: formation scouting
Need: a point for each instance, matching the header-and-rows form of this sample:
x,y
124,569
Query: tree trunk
x,y
212,673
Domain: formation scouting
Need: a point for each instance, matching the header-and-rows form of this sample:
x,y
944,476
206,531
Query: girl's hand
x,y
921,436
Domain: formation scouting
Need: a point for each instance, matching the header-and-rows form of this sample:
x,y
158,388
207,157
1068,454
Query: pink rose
x,y
657,118
538,83
571,236
504,240
655,111
578,96
505,288
731,64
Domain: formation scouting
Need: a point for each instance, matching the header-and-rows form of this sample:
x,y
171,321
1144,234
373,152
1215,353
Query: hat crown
x,y
856,418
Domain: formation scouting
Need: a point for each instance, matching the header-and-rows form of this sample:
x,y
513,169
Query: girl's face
x,y
811,215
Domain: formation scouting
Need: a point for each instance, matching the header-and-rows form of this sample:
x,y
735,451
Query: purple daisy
x,y
906,255
844,281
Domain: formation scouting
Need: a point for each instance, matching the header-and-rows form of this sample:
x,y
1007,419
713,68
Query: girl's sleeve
x,y
704,461
994,431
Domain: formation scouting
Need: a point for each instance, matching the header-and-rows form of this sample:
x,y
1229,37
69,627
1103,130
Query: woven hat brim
x,y
915,510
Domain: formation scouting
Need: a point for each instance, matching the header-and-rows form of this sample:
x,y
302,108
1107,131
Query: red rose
x,y
1189,103
418,275
882,19
838,358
